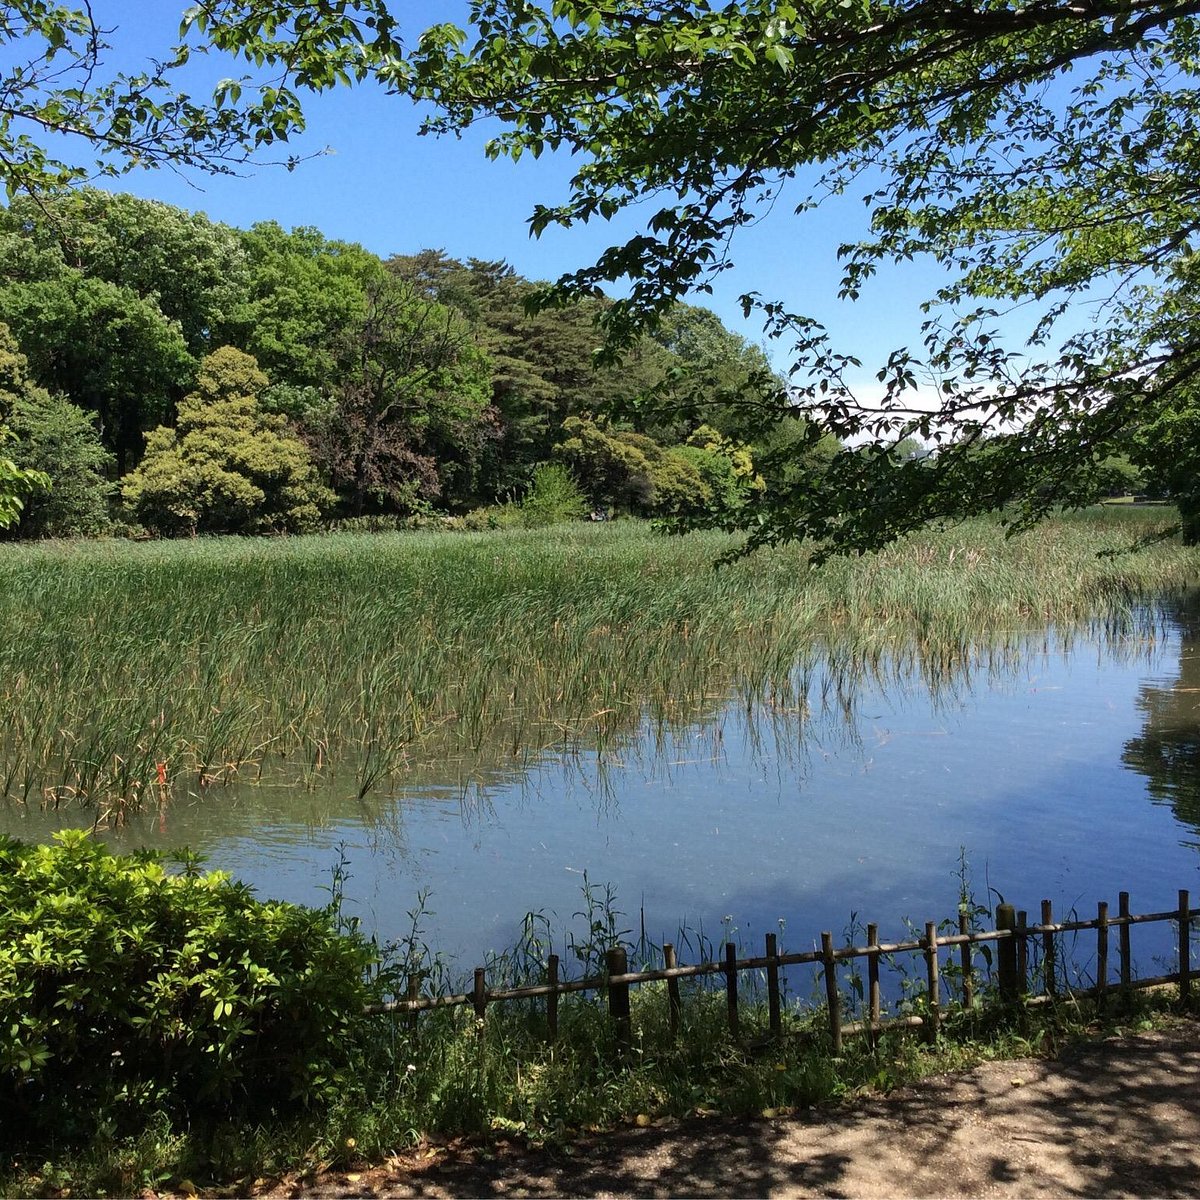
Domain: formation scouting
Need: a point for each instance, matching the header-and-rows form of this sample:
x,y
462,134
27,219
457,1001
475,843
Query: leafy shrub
x,y
127,989
393,523
493,516
129,530
553,496
229,466
631,471
375,523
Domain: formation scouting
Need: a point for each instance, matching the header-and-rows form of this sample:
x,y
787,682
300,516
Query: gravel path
x,y
1113,1118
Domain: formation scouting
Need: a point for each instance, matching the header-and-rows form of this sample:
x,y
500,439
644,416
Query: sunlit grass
x,y
368,654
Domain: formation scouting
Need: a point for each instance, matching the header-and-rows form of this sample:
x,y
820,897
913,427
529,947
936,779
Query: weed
x,y
370,655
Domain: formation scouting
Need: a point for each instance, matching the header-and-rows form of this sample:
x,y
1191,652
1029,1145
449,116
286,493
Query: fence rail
x,y
1013,935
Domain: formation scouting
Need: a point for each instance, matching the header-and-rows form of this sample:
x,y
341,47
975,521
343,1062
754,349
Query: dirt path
x,y
1120,1117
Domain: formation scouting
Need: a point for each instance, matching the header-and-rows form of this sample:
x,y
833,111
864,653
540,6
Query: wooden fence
x,y
1013,936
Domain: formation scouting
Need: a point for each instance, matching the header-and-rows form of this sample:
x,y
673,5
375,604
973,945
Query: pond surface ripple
x,y
1066,767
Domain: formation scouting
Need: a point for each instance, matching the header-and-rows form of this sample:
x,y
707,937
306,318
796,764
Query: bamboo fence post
x,y
673,1004
832,997
618,995
731,986
1101,954
1006,953
1123,945
1022,952
964,962
773,985
1185,947
1049,965
874,1008
479,995
552,998
414,992
934,1024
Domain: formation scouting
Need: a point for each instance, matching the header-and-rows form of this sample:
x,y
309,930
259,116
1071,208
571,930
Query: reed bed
x,y
128,671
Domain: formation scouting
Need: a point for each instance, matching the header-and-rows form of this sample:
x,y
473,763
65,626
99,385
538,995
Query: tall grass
x,y
370,654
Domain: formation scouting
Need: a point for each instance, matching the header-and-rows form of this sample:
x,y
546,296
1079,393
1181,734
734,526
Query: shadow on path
x,y
1109,1118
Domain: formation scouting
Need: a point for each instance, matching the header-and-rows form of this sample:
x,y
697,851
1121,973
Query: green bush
x,y
127,989
493,516
55,436
553,496
374,523
229,466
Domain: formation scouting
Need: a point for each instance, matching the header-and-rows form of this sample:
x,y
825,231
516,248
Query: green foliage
x,y
718,380
54,436
420,381
57,80
542,363
228,466
64,465
126,989
553,496
104,347
792,450
15,484
304,291
1120,476
1044,158
1167,448
610,468
112,298
386,383
631,471
726,466
193,270
493,516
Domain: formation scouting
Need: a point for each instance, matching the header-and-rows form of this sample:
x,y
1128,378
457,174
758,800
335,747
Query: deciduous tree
x,y
105,347
194,270
67,113
57,437
227,466
1043,153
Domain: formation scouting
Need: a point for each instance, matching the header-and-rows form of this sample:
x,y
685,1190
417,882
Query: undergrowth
x,y
393,1081
503,1083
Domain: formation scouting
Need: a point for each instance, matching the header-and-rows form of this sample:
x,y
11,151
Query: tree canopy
x,y
410,385
1043,152
57,443
66,114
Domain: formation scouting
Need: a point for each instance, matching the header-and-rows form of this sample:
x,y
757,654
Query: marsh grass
x,y
367,656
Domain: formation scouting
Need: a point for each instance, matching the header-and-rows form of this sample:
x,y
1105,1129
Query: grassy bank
x,y
719,1079
377,1085
368,654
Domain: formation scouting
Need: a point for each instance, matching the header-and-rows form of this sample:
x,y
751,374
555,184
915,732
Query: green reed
x,y
288,659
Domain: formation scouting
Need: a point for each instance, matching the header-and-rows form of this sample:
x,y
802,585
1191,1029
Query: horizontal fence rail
x,y
1013,936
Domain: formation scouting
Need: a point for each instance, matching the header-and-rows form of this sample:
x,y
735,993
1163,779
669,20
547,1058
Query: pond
x,y
1066,766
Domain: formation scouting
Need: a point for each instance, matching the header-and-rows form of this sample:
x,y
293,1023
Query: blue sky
x,y
395,192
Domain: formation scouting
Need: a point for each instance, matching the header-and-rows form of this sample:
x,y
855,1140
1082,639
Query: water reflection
x,y
852,785
1167,752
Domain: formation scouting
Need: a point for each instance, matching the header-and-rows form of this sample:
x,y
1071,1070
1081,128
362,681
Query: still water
x,y
1066,767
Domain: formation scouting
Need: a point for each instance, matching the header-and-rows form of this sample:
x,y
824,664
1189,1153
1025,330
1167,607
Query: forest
x,y
175,376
